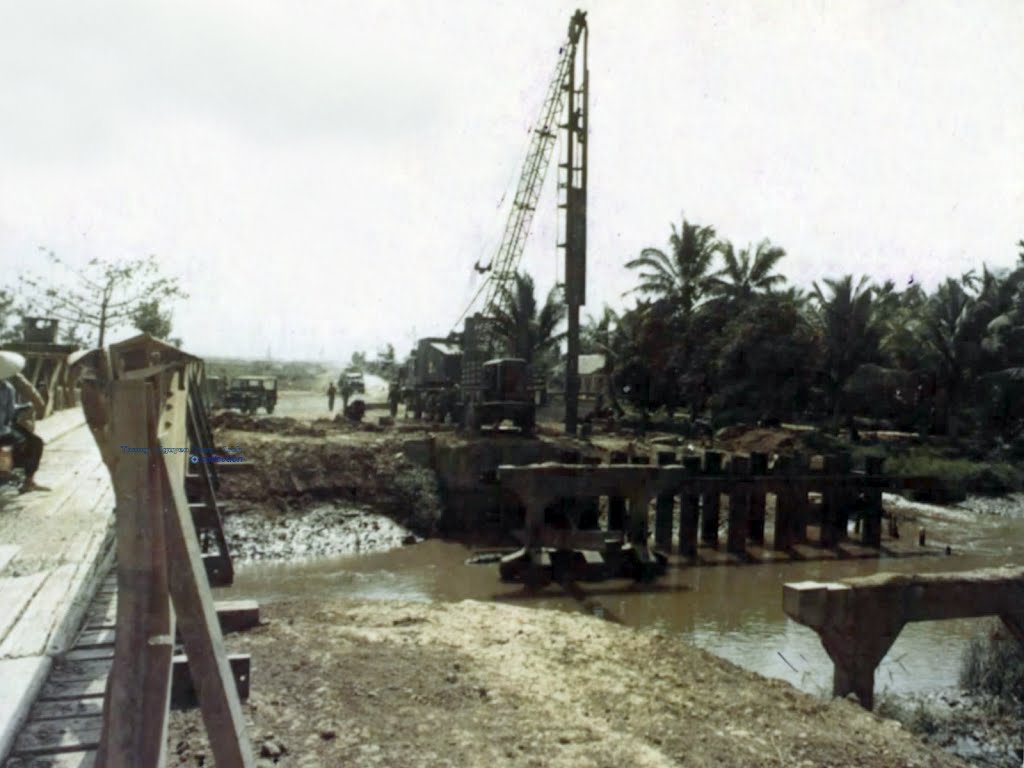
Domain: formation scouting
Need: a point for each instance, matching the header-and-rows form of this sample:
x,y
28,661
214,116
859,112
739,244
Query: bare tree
x,y
101,296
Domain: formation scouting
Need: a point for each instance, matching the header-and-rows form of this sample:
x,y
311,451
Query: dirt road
x,y
477,684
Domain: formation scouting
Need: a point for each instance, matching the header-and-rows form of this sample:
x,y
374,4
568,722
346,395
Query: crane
x,y
564,108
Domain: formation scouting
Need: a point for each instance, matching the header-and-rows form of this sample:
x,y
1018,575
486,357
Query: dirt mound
x,y
475,684
225,420
741,439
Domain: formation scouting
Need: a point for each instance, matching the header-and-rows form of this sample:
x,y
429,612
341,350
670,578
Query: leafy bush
x,y
957,477
993,664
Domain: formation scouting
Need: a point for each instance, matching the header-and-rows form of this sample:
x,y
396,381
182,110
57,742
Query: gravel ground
x,y
475,684
319,531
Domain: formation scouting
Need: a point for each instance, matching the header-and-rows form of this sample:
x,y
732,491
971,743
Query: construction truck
x,y
436,384
431,385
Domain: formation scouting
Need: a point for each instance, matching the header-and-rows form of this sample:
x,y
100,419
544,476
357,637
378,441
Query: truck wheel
x,y
528,424
270,409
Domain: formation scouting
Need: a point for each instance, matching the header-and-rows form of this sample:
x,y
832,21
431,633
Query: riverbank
x,y
983,731
476,684
319,487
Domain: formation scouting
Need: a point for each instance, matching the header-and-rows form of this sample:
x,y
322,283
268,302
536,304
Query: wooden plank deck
x,y
56,547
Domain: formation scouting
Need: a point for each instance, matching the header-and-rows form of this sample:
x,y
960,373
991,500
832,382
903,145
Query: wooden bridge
x,y
91,650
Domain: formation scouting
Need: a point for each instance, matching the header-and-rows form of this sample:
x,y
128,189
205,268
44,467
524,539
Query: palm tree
x,y
953,334
747,273
849,334
601,336
680,276
526,331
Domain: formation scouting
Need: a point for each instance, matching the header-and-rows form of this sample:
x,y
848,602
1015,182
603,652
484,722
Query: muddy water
x,y
735,612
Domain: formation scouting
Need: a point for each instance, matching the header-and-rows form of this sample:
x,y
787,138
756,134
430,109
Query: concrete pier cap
x,y
858,619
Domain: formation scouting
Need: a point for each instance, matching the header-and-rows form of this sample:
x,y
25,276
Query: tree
x,y
848,331
104,295
8,330
747,273
149,318
953,333
765,360
526,331
599,336
679,277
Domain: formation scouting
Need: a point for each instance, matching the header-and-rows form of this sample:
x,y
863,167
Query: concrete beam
x,y
858,619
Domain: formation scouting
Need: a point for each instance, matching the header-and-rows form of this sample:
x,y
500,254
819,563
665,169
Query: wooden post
x,y
135,704
739,505
800,464
710,503
844,466
201,635
871,521
784,506
830,498
589,509
663,508
689,510
758,468
639,503
617,504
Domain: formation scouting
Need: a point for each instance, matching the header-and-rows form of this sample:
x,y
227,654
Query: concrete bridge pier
x,y
858,619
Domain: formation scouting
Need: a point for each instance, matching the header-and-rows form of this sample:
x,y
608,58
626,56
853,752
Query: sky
x,y
322,176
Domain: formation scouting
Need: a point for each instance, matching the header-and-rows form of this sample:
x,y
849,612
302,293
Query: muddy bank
x,y
287,472
320,530
474,684
980,730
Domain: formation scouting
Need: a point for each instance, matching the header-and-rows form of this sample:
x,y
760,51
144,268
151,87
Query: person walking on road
x,y
332,392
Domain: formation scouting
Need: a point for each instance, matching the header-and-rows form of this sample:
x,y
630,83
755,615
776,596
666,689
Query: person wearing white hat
x,y
25,442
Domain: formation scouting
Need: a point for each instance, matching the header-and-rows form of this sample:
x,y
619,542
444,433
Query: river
x,y
732,611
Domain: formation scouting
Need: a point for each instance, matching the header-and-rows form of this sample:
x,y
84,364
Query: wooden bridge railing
x,y
136,398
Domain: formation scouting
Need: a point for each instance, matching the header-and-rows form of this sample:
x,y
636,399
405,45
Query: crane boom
x,y
505,263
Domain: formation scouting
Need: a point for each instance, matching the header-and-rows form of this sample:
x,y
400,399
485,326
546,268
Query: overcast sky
x,y
323,175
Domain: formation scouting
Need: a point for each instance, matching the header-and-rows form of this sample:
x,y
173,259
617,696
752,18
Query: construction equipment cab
x,y
250,393
506,394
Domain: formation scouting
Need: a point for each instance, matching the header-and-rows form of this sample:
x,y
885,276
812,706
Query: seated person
x,y
27,445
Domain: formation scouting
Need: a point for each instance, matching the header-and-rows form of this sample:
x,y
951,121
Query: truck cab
x,y
250,393
506,394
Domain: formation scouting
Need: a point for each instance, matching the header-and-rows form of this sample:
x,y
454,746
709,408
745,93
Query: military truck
x,y
506,394
355,380
431,385
454,378
250,393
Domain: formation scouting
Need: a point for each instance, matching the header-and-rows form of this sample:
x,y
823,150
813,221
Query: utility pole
x,y
577,86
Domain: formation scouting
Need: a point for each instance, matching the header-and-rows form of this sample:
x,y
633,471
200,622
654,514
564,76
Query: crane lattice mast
x,y
566,94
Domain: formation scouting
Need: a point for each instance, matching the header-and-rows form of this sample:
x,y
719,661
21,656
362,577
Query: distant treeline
x,y
719,331
290,375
